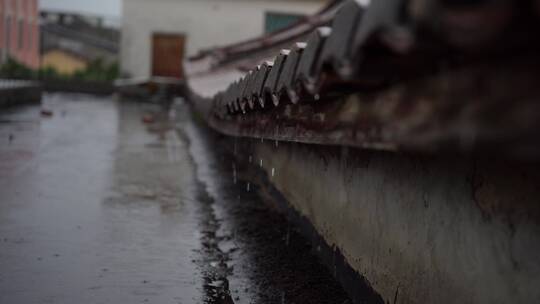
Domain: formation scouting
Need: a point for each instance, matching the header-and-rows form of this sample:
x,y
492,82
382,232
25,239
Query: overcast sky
x,y
110,8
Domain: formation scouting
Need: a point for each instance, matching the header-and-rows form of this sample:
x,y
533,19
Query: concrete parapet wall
x,y
16,95
70,86
418,229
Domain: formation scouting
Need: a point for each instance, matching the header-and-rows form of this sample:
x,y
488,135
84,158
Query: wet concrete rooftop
x,y
98,207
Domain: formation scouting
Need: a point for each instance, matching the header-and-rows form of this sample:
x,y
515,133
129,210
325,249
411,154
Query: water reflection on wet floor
x,y
94,208
98,207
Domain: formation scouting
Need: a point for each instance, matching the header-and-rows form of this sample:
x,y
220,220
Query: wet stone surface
x,y
109,202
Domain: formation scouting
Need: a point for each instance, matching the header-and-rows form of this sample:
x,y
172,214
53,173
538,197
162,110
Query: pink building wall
x,y
19,31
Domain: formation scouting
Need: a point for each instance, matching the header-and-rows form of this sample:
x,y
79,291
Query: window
x,y
30,35
8,34
19,9
275,21
20,30
4,48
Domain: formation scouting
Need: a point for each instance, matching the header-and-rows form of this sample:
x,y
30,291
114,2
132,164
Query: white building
x,y
197,24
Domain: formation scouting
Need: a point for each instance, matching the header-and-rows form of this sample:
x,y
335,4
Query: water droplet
x,y
293,96
261,162
275,99
273,172
288,236
234,173
317,96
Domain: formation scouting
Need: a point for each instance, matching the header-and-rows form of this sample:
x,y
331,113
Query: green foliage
x,y
48,73
96,71
14,70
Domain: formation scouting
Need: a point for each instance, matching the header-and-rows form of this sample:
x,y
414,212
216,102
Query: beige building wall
x,y
205,23
64,63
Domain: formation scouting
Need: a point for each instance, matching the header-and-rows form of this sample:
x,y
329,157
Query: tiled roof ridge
x,y
392,53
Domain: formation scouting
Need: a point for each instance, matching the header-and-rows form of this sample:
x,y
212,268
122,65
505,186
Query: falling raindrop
x,y
273,172
317,96
248,187
282,297
334,259
277,143
288,236
262,139
261,162
250,159
234,173
235,146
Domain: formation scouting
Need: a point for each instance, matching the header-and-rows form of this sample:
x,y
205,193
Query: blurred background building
x,y
157,34
19,32
71,41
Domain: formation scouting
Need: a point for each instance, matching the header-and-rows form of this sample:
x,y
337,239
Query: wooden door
x,y
167,55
